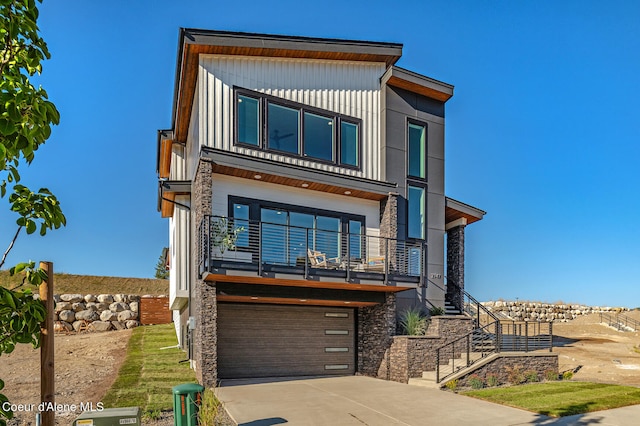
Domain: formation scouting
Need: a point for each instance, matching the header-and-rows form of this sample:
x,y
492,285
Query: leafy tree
x,y
26,117
161,268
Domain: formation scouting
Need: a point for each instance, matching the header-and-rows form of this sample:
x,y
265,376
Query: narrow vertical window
x,y
248,120
349,144
416,212
355,239
318,136
283,128
417,150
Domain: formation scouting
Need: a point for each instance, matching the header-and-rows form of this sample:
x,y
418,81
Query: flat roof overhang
x,y
193,42
167,192
233,164
417,83
457,210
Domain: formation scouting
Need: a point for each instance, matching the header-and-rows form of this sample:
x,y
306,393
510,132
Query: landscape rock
x,y
133,306
78,306
100,326
63,306
92,305
117,325
90,298
127,315
118,307
79,325
108,316
72,298
105,298
132,323
67,316
87,315
120,298
102,306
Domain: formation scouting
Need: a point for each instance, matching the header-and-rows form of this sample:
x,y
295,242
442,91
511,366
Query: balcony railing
x,y
235,244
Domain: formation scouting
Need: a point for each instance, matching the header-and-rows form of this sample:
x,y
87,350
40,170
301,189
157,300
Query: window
x,y
241,220
270,123
248,120
416,211
416,150
283,126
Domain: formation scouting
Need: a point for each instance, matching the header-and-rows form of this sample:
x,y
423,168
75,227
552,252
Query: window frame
x,y
417,181
263,133
411,121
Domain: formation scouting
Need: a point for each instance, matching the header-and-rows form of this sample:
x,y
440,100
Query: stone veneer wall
x,y
455,266
505,362
409,356
103,312
204,307
376,326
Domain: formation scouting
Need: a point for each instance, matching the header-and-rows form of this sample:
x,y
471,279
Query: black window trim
x,y
263,101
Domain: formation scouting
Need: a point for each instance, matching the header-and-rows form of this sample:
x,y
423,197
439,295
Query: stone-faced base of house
x,y
409,356
511,367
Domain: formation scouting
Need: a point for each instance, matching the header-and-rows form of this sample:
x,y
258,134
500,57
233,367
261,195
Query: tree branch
x,y
6,253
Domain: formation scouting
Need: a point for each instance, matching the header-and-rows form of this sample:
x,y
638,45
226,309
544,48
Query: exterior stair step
x,y
449,309
425,383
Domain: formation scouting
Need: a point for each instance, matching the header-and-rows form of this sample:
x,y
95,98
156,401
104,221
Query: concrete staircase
x,y
428,378
450,309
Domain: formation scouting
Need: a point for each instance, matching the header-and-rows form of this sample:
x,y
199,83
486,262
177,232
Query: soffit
x,y
455,210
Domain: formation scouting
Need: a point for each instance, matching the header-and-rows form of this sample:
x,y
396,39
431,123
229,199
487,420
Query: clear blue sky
x,y
543,131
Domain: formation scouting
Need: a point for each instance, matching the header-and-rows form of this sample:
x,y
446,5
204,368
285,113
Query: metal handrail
x,y
264,244
620,321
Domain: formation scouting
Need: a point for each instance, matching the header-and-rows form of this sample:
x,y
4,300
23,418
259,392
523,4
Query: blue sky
x,y
543,130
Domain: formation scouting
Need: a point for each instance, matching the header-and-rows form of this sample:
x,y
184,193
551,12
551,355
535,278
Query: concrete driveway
x,y
357,400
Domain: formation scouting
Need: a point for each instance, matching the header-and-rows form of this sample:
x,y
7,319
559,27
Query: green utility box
x,y
110,417
186,401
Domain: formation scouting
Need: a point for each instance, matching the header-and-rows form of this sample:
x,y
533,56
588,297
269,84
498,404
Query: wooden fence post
x,y
47,377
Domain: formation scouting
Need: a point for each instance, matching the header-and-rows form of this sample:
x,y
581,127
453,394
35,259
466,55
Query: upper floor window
x,y
276,124
417,147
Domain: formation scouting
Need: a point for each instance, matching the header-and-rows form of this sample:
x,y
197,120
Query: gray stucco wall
x,y
398,106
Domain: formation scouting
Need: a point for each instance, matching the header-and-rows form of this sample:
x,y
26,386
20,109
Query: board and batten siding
x,y
179,249
349,88
225,186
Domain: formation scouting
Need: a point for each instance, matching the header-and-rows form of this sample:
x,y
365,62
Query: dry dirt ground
x,y
86,364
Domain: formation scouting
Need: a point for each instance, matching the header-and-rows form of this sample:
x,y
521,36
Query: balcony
x,y
233,247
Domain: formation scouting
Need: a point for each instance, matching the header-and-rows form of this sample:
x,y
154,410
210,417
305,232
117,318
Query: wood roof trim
x,y
417,83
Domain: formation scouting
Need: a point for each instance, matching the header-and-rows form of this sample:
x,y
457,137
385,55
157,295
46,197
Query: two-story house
x,y
303,179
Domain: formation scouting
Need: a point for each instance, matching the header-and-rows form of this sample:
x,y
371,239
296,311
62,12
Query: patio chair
x,y
318,259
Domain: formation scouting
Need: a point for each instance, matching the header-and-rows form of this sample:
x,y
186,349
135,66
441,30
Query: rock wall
x,y
103,312
536,311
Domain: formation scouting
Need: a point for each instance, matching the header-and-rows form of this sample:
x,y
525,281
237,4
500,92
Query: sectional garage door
x,y
257,340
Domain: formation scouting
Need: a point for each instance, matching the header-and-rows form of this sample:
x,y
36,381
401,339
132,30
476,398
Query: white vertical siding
x,y
197,127
349,88
177,171
179,250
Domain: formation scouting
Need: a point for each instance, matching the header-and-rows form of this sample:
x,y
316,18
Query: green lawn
x,y
149,372
559,399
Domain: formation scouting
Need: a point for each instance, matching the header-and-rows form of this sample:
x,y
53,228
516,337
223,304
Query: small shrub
x,y
413,322
151,415
436,311
209,408
567,375
515,376
492,380
475,382
531,376
550,375
452,385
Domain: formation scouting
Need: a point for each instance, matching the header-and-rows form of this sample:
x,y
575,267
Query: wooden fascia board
x,y
288,301
455,210
416,83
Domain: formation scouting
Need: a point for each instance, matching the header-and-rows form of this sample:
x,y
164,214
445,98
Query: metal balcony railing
x,y
230,243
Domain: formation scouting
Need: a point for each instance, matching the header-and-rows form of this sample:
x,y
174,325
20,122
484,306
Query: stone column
x,y
376,326
203,293
389,228
455,262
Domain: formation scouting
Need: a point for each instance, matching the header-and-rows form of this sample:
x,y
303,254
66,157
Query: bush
x,y
452,385
492,380
550,375
413,322
436,311
475,381
531,376
515,376
567,375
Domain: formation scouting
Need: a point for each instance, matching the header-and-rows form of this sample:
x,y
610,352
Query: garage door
x,y
268,341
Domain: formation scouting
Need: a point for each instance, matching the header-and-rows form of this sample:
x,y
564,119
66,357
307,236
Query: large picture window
x,y
275,124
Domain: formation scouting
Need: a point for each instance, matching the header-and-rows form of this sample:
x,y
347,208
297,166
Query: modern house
x,y
303,179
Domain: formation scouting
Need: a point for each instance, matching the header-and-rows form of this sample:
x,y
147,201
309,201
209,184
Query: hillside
x,y
89,284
